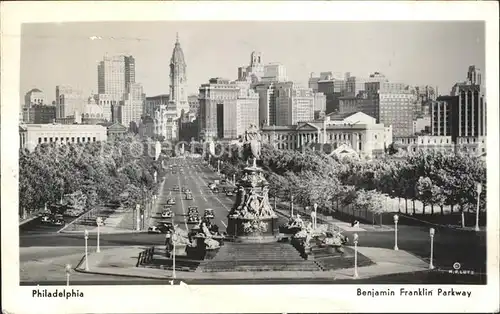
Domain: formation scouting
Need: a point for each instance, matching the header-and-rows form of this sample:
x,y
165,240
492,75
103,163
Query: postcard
x,y
249,157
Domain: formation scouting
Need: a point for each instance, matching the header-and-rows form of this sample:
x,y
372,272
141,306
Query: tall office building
x,y
227,108
257,71
214,96
129,71
178,80
471,105
68,101
132,106
294,104
267,103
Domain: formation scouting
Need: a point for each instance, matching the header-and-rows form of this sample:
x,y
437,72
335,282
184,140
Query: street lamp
x,y
479,189
174,239
86,233
99,223
291,205
218,166
356,237
315,221
396,218
234,179
138,210
68,272
431,233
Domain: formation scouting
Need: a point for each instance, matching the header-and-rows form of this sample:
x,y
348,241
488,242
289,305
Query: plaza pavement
x,y
122,262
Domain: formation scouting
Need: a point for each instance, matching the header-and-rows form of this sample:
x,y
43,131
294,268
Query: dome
x,y
177,54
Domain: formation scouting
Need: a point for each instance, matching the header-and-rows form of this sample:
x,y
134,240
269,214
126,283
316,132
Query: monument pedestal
x,y
246,230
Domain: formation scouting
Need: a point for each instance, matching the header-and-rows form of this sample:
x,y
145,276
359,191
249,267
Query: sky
x,y
415,53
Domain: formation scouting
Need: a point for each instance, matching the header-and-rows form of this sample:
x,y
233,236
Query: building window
x,y
88,139
72,140
78,140
45,140
39,140
51,139
93,139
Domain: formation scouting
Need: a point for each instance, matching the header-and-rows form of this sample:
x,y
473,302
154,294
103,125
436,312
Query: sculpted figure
x,y
253,139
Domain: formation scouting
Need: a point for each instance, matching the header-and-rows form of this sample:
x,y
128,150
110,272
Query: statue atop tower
x,y
178,79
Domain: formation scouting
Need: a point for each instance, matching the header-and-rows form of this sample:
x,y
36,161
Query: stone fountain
x,y
252,218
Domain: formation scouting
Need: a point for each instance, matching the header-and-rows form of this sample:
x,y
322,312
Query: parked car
x,y
189,196
45,219
176,189
229,193
183,189
216,190
171,201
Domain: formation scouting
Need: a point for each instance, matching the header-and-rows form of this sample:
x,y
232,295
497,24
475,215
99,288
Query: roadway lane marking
x,y
218,200
182,203
225,226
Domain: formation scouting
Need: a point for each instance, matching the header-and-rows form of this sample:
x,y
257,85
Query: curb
x,y
100,232
27,220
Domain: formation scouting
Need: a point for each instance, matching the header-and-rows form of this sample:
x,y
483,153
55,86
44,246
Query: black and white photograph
x,y
219,158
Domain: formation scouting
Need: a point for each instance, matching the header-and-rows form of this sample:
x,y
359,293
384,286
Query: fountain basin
x,y
267,230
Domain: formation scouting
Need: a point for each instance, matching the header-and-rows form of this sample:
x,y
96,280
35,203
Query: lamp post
x,y
431,233
86,236
356,237
234,179
68,272
291,206
99,223
218,166
315,222
174,239
479,189
138,218
396,218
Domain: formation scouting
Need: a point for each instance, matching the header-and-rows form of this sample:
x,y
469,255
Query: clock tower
x,y
178,80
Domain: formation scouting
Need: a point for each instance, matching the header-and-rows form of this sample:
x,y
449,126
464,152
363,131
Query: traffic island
x,y
122,262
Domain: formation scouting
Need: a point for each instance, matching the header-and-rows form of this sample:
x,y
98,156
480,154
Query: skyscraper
x,y
68,101
178,80
117,88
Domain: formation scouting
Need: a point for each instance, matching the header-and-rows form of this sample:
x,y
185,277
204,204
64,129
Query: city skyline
x,y
459,44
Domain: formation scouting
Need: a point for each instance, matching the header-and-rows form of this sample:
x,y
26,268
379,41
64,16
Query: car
x,y
171,201
167,207
194,219
175,189
216,190
209,213
229,193
58,222
45,219
211,185
193,210
183,189
235,191
189,196
167,214
187,190
223,181
154,229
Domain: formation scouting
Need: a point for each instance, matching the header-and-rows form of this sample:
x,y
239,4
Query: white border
x,y
339,298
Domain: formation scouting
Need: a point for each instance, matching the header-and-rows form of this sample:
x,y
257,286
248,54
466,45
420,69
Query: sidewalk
x,y
122,261
120,221
282,208
156,205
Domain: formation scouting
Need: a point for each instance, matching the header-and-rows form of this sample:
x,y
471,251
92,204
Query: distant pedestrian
x,y
355,223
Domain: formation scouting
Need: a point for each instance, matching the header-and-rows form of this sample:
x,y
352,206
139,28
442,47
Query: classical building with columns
x,y
354,133
32,135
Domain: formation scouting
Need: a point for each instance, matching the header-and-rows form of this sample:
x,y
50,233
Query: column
x,y
473,110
